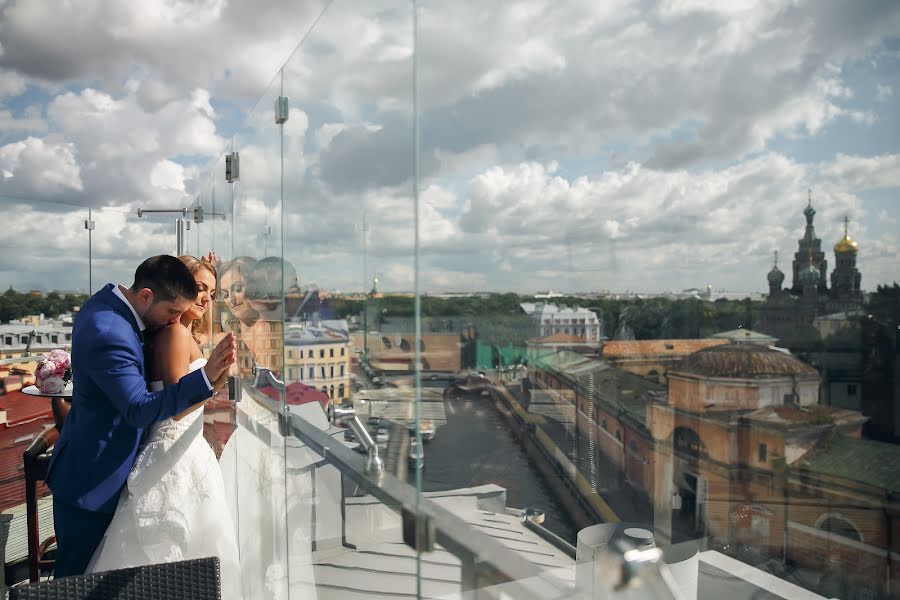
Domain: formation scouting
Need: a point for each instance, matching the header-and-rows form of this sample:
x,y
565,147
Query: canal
x,y
476,447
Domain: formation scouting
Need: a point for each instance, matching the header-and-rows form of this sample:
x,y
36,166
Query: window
x,y
54,338
762,453
331,393
838,525
604,425
290,354
312,373
342,351
68,337
342,370
321,352
8,340
851,389
341,391
323,371
619,435
331,352
404,345
332,371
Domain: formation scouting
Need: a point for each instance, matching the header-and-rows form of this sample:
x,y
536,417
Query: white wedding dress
x,y
173,506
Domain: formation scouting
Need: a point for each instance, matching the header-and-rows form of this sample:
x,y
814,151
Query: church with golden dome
x,y
787,309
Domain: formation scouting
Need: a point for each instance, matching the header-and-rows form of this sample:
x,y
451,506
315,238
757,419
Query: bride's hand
x,y
221,358
210,257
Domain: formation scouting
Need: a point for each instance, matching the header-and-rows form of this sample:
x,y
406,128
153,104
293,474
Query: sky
x,y
581,146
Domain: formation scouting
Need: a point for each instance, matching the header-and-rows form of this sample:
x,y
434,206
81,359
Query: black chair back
x,y
195,579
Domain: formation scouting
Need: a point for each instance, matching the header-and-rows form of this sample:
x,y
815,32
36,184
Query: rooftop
x,y
746,336
792,416
866,461
558,338
627,348
743,361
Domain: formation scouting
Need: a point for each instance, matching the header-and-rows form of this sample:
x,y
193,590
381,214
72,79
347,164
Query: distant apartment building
x,y
318,354
550,319
37,336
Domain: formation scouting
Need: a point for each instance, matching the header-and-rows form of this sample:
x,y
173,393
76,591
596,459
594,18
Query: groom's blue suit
x,y
110,409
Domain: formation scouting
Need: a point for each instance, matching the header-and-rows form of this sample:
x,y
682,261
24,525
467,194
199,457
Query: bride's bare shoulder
x,y
176,335
173,334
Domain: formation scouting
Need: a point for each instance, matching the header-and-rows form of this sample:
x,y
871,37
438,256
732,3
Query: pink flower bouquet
x,y
53,372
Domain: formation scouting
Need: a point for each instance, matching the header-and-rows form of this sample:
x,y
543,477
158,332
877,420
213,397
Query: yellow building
x,y
318,354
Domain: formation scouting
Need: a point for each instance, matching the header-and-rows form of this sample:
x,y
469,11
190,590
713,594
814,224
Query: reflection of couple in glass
x,y
133,479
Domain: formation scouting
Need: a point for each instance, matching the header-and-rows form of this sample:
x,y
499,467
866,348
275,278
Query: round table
x,y
32,390
56,402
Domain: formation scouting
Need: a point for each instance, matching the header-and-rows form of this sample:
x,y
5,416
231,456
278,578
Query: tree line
x,y
15,305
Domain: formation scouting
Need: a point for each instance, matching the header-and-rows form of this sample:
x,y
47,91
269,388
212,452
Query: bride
x,y
173,506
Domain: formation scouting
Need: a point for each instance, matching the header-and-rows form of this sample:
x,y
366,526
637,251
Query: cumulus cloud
x,y
112,150
182,44
592,145
883,91
36,167
864,172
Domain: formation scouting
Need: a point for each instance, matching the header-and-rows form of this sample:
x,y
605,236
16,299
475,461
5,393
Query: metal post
x,y
179,237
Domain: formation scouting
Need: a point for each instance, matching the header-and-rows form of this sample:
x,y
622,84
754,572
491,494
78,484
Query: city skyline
x,y
678,155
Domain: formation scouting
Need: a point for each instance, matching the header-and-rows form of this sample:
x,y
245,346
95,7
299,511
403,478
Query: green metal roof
x,y
867,461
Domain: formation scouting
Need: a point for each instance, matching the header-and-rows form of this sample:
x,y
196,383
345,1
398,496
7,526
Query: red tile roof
x,y
297,393
13,442
22,408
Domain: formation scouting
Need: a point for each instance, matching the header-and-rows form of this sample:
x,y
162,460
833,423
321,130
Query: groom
x,y
111,406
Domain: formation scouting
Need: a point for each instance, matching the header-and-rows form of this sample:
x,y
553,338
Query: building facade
x,y
550,319
318,354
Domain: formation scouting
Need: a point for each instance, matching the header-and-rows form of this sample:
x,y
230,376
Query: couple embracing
x,y
134,482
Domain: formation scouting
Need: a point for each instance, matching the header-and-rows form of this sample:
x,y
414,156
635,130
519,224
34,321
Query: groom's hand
x,y
220,361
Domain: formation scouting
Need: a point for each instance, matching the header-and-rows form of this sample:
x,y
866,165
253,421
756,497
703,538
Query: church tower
x,y
809,282
776,278
846,278
809,246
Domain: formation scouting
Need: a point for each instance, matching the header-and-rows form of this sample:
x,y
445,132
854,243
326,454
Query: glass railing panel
x,y
603,332
348,245
256,301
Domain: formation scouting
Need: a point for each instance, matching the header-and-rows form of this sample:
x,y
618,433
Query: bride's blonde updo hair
x,y
203,324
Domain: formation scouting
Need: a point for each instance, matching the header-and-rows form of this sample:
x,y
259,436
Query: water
x,y
476,447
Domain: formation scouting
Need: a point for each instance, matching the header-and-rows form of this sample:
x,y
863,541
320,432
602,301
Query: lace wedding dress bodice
x,y
173,506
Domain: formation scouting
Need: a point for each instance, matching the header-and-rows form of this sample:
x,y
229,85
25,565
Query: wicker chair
x,y
189,579
36,460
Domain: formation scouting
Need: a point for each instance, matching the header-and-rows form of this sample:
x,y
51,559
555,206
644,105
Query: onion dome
x,y
809,275
775,276
846,244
